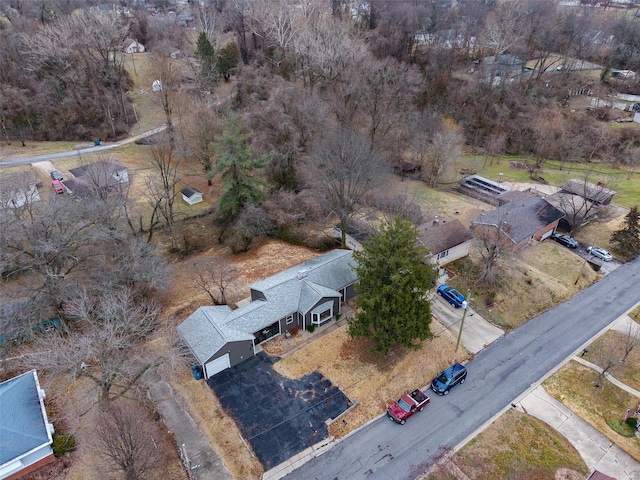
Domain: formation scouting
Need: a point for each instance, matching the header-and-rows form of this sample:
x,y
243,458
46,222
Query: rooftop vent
x,y
302,274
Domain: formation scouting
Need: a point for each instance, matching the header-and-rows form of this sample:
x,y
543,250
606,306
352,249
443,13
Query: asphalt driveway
x,y
279,417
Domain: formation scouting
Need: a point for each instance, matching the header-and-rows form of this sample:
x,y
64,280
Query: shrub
x,y
63,443
311,328
621,427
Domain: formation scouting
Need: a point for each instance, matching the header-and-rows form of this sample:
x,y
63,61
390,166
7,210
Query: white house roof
x,y
23,419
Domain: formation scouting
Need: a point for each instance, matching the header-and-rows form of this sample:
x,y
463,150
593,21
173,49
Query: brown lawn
x,y
574,386
516,445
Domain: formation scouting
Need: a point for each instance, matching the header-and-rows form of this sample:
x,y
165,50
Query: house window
x,y
322,313
289,320
442,254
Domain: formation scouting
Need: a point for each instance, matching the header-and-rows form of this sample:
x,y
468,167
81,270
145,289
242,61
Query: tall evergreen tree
x,y
237,165
227,59
393,308
627,239
206,55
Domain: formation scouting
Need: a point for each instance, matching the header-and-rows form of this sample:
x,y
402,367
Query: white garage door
x,y
217,365
546,235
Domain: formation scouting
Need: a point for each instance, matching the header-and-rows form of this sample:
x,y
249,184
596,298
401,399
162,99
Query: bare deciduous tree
x,y
583,197
201,132
132,263
216,277
343,168
101,346
122,438
607,356
53,242
162,187
438,155
166,72
493,241
631,339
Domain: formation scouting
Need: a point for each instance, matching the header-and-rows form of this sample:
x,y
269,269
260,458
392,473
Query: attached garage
x,y
216,366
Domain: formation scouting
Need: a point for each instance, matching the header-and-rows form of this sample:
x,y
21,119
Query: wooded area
x,y
327,98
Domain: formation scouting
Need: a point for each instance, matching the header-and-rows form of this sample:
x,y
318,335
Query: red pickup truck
x,y
407,405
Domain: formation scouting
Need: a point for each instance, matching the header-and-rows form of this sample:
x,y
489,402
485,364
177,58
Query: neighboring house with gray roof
x,y
25,432
97,178
595,193
526,217
446,238
304,296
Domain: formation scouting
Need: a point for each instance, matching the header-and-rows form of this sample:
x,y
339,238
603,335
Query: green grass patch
x,y
573,385
625,182
621,427
627,372
516,445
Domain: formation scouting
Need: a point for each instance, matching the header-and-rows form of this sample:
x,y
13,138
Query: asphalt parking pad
x,y
279,417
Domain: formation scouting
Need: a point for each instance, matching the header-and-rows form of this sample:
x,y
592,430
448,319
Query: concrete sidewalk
x,y
597,451
199,456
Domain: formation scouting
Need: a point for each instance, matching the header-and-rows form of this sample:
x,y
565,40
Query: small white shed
x,y
191,195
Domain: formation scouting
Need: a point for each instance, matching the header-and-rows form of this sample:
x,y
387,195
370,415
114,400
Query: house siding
x,y
308,317
539,234
37,464
454,253
350,292
296,322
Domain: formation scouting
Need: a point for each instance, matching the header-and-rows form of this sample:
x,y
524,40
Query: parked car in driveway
x,y
56,175
57,186
449,378
565,240
600,253
451,295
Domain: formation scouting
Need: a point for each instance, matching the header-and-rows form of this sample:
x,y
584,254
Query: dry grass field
x,y
573,385
516,445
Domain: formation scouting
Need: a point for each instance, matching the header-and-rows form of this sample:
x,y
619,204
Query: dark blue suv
x,y
451,295
449,378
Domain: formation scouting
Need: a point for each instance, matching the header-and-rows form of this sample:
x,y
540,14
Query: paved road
x,y
497,376
11,162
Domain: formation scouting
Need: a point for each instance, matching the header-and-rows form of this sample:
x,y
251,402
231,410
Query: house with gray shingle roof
x,y
526,217
446,238
304,296
25,432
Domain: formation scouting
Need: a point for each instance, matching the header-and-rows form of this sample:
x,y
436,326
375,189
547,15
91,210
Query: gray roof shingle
x,y
205,331
297,289
522,217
